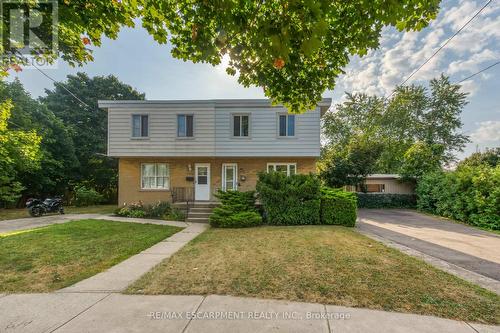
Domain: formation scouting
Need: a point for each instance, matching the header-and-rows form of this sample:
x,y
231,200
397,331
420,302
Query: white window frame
x,y
279,114
249,125
185,137
167,183
235,180
140,130
274,164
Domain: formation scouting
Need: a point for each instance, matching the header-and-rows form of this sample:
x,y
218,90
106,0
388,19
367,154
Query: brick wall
x,y
129,184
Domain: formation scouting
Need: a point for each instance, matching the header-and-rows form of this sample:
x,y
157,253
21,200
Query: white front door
x,y
202,181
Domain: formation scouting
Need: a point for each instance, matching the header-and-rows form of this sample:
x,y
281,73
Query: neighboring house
x,y
384,183
180,150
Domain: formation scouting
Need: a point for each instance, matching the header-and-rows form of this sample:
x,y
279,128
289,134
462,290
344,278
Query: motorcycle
x,y
37,207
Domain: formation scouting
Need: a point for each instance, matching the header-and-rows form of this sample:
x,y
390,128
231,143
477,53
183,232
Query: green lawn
x,y
56,256
17,213
325,264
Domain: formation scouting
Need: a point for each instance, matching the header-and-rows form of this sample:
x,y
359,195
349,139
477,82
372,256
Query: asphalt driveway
x,y
470,248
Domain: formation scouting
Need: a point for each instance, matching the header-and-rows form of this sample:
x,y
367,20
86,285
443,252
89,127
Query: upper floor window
x,y
184,125
240,125
286,125
140,126
287,168
155,176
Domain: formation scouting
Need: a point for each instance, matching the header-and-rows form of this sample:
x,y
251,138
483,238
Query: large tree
x,y
415,123
293,49
19,152
57,154
87,124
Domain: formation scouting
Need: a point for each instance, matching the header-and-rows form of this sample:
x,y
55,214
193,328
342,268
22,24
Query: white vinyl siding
x,y
163,140
265,140
213,133
155,176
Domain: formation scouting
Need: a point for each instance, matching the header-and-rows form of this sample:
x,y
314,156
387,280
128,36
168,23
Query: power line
x,y
58,83
441,47
479,72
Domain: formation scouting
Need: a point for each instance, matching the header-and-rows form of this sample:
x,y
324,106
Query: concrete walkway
x,y
104,312
37,222
467,252
120,276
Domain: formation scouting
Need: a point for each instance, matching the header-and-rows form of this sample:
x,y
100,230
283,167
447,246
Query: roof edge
x,y
324,104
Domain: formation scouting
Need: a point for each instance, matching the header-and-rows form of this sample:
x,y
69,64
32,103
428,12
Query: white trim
x,y
231,125
167,188
208,184
132,126
278,114
235,180
274,164
211,103
177,126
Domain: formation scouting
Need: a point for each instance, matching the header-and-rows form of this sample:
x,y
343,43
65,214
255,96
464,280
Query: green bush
x,y
289,200
87,196
160,209
175,215
470,194
338,207
237,210
386,200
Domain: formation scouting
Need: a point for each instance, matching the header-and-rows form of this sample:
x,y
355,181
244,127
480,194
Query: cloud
x,y
488,131
401,53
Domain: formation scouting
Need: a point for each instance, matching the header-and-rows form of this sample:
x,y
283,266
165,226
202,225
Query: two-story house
x,y
179,150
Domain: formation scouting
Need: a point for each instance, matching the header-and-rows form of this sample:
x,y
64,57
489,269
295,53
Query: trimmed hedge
x,y
386,200
338,207
237,210
289,200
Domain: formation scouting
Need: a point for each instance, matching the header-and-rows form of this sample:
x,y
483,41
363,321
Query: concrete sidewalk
x,y
105,312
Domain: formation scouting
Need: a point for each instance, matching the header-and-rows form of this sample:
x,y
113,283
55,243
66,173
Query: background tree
x,y
350,165
88,125
490,157
420,159
58,162
294,50
415,123
19,152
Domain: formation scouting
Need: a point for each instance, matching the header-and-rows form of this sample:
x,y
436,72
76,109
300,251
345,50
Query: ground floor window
x,y
229,176
371,188
155,176
287,168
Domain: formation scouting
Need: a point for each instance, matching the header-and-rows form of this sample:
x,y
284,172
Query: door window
x,y
202,175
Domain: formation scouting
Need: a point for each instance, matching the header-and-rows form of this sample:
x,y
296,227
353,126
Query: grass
x,y
56,256
324,264
18,213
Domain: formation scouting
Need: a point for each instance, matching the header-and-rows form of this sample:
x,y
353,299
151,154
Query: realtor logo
x,y
29,29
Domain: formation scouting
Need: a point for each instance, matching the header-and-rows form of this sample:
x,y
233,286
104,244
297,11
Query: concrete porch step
x,y
200,210
199,214
197,219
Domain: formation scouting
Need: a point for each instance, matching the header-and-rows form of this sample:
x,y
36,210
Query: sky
x,y
136,59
